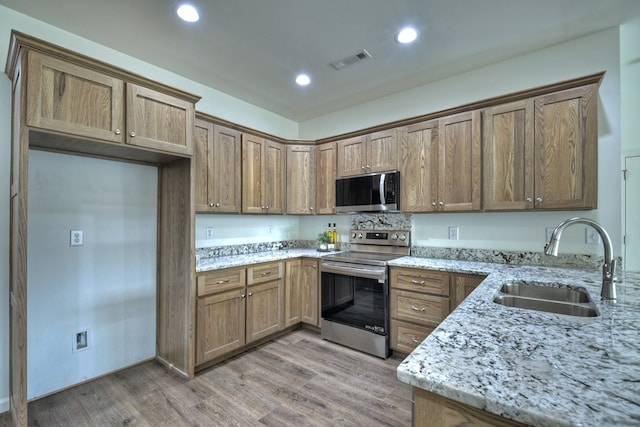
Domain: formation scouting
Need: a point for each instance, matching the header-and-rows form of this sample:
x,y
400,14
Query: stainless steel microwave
x,y
373,192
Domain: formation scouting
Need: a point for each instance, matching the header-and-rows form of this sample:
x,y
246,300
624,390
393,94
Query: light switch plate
x,y
209,232
453,232
592,237
76,238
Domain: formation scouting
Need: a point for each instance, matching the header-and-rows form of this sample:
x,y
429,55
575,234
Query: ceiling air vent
x,y
350,60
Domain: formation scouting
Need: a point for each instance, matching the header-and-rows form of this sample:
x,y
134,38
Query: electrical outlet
x,y
549,231
270,229
453,232
76,238
81,340
209,232
591,237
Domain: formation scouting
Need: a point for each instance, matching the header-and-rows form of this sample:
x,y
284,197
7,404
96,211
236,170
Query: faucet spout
x,y
608,291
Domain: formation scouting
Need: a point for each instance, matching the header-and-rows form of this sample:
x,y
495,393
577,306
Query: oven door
x,y
355,295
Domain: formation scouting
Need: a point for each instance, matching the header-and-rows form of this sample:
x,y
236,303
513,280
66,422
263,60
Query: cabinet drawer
x,y
423,309
405,336
221,280
262,273
431,282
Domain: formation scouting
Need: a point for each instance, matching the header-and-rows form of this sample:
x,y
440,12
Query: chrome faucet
x,y
608,291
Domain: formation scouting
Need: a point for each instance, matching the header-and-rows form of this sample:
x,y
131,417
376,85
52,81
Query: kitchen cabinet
x,y
66,97
217,168
461,286
419,301
301,292
263,176
301,179
309,292
433,410
441,164
264,300
326,156
376,152
292,293
220,326
541,152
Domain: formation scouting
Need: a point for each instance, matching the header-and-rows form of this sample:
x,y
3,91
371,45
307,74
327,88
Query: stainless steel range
x,y
355,290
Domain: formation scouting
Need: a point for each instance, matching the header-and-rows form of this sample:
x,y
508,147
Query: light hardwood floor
x,y
296,380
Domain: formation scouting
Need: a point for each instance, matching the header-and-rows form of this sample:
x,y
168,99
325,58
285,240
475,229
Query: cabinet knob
x,y
217,205
529,200
117,131
314,266
132,134
250,293
433,204
211,204
242,296
267,207
368,166
264,207
362,167
311,208
441,203
539,199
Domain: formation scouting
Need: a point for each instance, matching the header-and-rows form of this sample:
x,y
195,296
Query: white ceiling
x,y
253,49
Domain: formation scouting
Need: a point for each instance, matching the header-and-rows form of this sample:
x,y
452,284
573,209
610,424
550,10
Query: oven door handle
x,y
376,273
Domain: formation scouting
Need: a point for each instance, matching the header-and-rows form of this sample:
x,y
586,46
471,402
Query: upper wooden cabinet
x,y
263,176
301,176
217,168
440,164
375,152
326,155
79,101
566,149
541,153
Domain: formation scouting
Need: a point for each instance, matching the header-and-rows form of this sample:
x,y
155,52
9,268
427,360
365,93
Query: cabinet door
x,y
64,97
566,148
301,179
352,156
405,336
253,164
220,324
309,292
459,162
159,121
419,167
463,285
264,310
326,178
225,175
292,296
508,156
382,151
275,178
203,158
422,309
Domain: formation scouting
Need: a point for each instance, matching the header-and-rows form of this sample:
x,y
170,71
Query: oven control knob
x,y
353,235
394,236
403,237
360,236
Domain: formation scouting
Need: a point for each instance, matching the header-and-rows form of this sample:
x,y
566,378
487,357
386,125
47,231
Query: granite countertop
x,y
218,263
538,368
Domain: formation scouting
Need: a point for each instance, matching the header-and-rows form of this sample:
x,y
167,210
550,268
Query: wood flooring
x,y
296,380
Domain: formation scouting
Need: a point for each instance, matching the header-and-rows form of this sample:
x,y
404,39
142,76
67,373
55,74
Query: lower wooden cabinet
x,y
239,306
421,299
432,410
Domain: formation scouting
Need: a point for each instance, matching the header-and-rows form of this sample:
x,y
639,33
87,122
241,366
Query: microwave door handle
x,y
382,189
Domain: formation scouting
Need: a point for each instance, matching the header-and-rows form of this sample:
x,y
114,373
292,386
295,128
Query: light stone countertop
x,y
537,368
218,263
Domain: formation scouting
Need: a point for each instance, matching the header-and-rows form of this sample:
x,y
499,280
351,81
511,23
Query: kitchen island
x,y
532,367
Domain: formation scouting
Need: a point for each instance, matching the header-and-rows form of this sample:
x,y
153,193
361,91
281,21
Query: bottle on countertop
x,y
334,232
331,246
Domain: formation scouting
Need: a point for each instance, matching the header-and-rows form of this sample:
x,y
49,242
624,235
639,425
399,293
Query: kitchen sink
x,y
558,300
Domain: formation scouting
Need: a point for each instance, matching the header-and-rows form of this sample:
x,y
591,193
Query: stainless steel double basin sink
x,y
557,299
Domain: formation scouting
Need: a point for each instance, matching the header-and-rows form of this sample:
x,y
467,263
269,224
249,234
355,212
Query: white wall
x,y
107,286
241,229
630,83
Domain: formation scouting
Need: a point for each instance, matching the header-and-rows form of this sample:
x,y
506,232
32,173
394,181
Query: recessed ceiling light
x,y
407,35
188,13
303,79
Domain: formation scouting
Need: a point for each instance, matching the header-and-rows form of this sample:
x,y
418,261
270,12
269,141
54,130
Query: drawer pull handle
x,y
414,308
417,282
415,340
266,273
220,282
